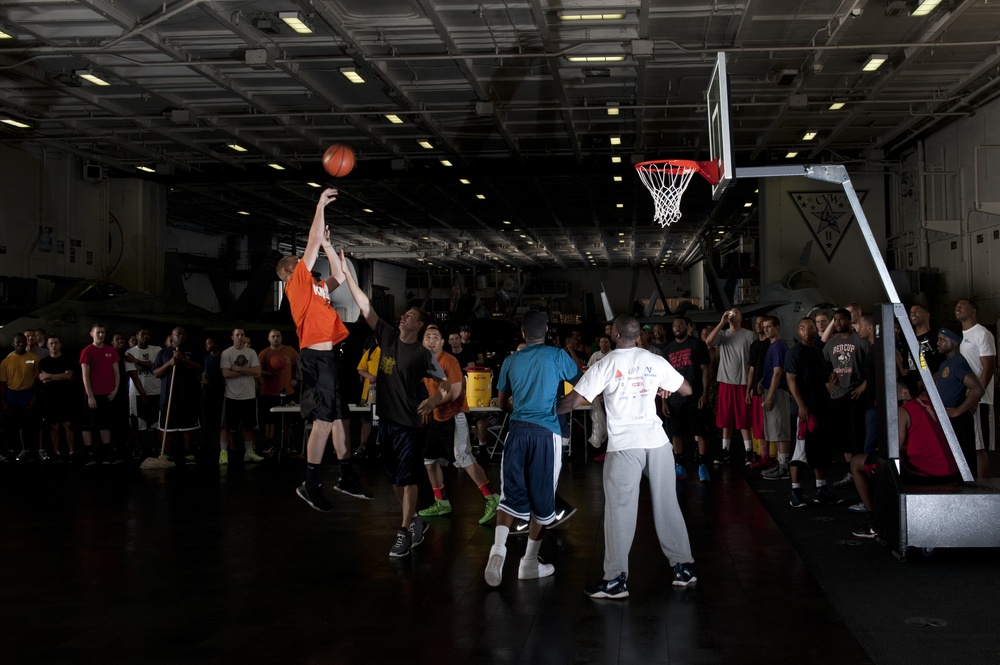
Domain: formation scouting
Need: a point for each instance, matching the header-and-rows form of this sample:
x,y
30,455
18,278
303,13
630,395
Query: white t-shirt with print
x,y
150,383
243,386
629,379
978,342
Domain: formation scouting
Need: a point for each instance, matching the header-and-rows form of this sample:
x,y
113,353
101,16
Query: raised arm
x,y
336,277
317,232
713,336
360,298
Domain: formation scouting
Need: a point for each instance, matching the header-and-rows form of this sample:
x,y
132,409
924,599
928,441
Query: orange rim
x,y
708,170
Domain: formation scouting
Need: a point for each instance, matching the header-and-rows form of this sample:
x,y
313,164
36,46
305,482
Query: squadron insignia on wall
x,y
828,215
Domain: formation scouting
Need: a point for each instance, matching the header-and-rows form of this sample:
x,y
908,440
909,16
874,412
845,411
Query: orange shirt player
x,y
319,329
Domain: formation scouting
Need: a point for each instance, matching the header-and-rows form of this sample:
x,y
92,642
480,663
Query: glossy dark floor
x,y
209,565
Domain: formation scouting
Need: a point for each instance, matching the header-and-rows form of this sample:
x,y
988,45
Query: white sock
x,y
748,444
820,483
223,446
500,536
248,446
531,552
725,443
783,459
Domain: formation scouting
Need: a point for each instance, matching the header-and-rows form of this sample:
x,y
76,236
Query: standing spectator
x,y
845,357
629,378
777,426
36,344
979,348
240,368
180,379
120,429
368,371
920,319
603,349
447,435
823,321
143,391
807,372
18,383
101,383
733,413
645,341
57,397
465,332
754,396
960,391
467,356
403,363
689,356
213,396
530,380
278,369
660,340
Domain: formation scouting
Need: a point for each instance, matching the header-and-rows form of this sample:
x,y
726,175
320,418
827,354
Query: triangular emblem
x,y
828,215
618,374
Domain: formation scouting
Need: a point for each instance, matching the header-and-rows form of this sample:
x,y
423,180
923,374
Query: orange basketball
x,y
338,160
277,363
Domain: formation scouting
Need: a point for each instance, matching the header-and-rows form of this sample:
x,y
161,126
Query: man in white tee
x,y
980,350
240,367
630,378
143,385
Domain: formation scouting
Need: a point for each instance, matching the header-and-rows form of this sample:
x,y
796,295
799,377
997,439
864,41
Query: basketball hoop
x,y
666,180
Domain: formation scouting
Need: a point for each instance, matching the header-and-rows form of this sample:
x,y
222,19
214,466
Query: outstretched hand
x,y
328,196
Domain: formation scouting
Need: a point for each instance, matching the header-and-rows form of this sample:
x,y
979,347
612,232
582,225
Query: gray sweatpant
x,y
623,470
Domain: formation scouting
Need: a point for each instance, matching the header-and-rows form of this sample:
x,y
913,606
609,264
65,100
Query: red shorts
x,y
757,416
733,412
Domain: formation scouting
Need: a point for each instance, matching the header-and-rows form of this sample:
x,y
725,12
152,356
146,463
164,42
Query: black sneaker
x,y
402,546
684,574
563,515
418,527
825,497
314,498
616,588
865,532
519,527
352,487
723,458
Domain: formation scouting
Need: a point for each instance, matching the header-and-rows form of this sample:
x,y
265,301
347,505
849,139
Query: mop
x,y
162,462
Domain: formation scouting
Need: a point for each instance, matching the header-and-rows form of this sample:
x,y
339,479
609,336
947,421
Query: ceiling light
x,y
619,205
394,119
507,222
464,181
596,58
522,235
616,140
296,22
836,106
236,146
369,210
425,144
748,204
425,237
615,159
90,77
242,212
351,74
15,123
792,155
4,35
874,62
617,178
445,162
925,7
146,169
275,166
612,108
577,16
480,196
314,184
809,136
621,233
530,242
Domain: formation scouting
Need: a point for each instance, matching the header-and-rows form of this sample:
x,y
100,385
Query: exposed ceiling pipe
x,y
142,27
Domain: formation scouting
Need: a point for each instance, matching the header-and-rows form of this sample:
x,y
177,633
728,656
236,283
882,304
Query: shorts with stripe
x,y
733,412
529,471
447,442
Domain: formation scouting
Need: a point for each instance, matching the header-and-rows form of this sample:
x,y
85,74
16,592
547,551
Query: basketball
x,y
277,363
338,160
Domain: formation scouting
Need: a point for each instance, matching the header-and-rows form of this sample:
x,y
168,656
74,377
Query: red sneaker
x,y
763,463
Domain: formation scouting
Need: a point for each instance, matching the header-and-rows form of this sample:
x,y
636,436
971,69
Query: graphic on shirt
x,y
387,365
828,215
945,372
681,358
843,353
320,289
241,361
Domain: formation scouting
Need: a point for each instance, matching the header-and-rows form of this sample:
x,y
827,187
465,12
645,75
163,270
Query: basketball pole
x,y
837,174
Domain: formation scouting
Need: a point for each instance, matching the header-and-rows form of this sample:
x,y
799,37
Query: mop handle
x,y
170,400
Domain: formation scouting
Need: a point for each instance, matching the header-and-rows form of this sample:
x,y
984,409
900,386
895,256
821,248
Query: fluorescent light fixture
x,y
276,166
445,162
90,77
596,58
576,16
351,74
15,123
236,146
874,62
242,212
314,184
296,22
4,35
367,210
619,205
612,108
617,178
394,119
748,204
523,236
146,169
925,7
530,242
792,155
809,136
425,144
615,159
481,197
507,222
464,181
616,140
836,106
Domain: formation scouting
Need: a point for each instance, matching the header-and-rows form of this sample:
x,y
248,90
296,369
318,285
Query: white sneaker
x,y
223,458
532,569
846,481
494,567
858,507
251,456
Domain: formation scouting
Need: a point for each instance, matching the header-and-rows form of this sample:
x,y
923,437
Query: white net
x,y
666,182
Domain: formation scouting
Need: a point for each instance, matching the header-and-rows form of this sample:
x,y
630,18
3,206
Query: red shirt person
x,y
99,369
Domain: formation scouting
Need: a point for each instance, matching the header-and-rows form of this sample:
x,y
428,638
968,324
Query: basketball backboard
x,y
720,130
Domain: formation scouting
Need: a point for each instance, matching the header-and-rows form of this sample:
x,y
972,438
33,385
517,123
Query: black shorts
x,y
100,417
239,414
687,419
320,397
439,440
400,453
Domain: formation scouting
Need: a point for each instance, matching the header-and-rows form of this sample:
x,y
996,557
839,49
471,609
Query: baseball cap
x,y
648,328
465,328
